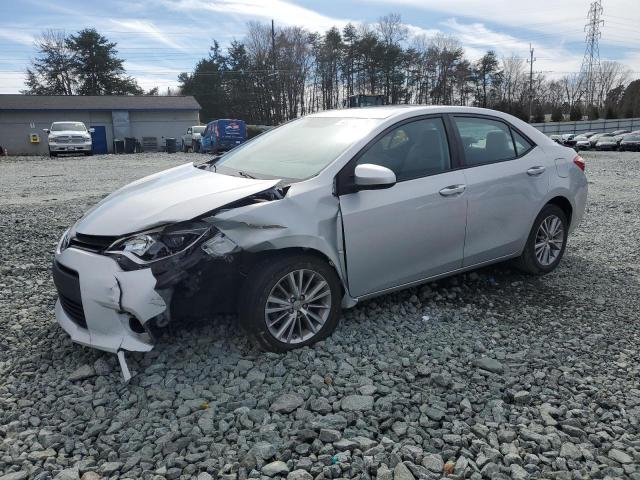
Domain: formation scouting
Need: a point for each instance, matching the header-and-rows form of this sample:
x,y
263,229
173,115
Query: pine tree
x,y
96,66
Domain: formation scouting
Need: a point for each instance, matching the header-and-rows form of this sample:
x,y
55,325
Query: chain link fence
x,y
584,126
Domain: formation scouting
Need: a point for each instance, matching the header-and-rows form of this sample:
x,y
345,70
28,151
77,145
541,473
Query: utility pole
x,y
276,92
530,62
590,70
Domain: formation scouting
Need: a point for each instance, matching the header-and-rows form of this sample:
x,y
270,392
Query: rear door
x,y
414,229
507,177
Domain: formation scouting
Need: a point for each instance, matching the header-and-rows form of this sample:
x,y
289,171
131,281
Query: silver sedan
x,y
314,216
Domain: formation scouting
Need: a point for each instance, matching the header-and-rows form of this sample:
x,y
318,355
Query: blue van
x,y
223,134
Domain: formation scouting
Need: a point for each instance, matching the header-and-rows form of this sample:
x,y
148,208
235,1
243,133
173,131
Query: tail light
x,y
579,161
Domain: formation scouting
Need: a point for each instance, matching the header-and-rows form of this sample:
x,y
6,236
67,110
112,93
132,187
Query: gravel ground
x,y
486,375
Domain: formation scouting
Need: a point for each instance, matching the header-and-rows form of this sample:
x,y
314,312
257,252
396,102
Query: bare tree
x,y
572,86
51,72
611,75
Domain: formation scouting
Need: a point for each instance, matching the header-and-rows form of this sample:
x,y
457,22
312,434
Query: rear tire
x,y
277,324
546,243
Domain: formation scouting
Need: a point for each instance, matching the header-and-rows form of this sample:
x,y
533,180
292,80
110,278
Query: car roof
x,y
393,110
388,112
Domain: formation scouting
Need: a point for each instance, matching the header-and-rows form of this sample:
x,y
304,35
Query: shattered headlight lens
x,y
160,243
64,241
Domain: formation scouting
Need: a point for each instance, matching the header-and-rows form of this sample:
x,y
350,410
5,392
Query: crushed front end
x,y
114,293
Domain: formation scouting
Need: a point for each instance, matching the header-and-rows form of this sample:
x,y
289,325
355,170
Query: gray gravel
x,y
486,375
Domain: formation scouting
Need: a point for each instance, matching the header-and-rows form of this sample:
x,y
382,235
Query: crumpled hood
x,y
173,195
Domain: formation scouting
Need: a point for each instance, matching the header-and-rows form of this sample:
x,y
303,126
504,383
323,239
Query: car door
x,y
507,177
414,229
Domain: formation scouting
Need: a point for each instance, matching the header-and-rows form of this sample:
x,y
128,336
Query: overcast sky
x,y
161,38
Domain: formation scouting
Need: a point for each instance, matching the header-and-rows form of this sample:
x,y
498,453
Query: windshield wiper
x,y
208,162
245,175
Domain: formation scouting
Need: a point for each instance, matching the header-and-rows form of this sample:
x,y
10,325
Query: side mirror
x,y
92,130
46,130
371,177
188,131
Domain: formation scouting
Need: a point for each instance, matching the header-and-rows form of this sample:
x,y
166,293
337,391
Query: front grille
x,y
70,139
74,310
93,243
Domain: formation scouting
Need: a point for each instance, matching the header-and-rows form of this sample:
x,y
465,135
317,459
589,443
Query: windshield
x,y
296,150
73,126
633,138
199,129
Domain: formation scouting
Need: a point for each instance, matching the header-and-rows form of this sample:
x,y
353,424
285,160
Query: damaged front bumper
x,y
102,306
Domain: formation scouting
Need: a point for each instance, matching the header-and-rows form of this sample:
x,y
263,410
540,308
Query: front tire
x,y
546,243
290,302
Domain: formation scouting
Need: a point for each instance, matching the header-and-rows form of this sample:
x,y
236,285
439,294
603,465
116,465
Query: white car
x,y
69,137
317,214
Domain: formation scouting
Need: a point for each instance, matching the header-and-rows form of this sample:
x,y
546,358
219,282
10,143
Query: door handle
x,y
452,190
535,171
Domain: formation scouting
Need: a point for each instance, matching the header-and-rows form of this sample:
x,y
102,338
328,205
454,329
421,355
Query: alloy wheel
x,y
549,240
298,306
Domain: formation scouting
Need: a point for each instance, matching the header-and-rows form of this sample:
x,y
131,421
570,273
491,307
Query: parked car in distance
x,y
593,139
222,135
556,138
580,142
191,139
566,137
620,132
314,215
630,143
69,137
606,142
571,141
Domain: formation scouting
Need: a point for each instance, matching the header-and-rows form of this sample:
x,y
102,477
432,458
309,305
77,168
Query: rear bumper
x,y
99,303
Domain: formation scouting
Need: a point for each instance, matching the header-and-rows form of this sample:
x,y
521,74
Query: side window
x,y
522,144
484,140
412,150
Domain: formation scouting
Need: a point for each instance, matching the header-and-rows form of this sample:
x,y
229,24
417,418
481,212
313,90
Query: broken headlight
x,y
162,242
63,243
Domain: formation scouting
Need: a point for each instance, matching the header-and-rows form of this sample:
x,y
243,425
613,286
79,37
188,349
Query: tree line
x,y
274,74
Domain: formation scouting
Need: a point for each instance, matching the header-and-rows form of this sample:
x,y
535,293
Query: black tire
x,y
528,262
88,154
258,286
195,148
52,154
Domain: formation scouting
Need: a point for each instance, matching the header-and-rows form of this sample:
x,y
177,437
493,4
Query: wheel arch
x,y
564,204
264,255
